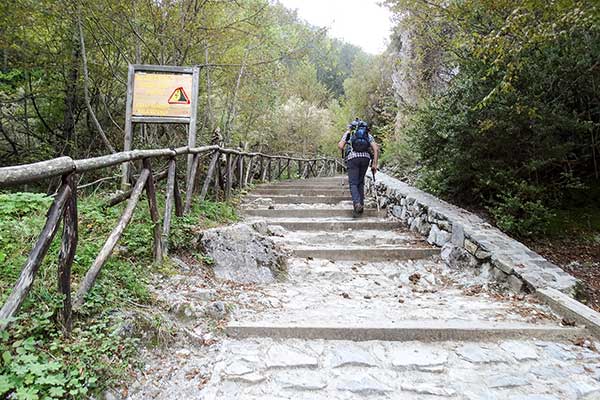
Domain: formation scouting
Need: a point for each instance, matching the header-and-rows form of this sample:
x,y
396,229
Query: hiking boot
x,y
356,211
361,209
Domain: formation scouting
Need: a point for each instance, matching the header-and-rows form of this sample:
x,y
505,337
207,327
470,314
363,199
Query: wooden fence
x,y
227,169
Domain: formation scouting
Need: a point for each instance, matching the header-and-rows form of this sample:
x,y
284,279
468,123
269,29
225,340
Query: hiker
x,y
358,144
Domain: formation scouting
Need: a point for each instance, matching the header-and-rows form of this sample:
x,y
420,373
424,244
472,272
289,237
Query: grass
x,y
38,362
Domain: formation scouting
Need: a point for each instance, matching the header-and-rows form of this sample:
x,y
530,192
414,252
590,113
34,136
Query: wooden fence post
x,y
171,179
249,171
240,171
67,253
190,184
269,172
209,174
229,175
263,169
153,208
289,176
27,276
322,168
177,197
91,275
218,184
279,168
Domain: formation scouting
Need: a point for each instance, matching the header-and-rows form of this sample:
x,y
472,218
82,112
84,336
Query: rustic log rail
x,y
227,169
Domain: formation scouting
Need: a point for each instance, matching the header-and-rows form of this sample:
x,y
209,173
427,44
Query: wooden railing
x,y
232,168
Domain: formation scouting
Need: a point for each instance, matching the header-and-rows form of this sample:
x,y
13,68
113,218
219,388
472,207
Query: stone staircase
x,y
369,311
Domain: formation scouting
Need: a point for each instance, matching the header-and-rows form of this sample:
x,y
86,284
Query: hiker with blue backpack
x,y
358,145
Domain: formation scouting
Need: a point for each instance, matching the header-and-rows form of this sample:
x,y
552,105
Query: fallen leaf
x,y
414,278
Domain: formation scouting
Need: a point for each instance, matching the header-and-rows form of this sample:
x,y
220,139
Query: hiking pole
x,y
375,190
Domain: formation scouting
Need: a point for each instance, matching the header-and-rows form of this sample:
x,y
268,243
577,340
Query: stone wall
x,y
469,242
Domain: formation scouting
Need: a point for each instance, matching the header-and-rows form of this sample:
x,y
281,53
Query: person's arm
x,y
342,141
375,148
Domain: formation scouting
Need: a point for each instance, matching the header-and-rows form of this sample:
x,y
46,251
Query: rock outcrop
x,y
242,254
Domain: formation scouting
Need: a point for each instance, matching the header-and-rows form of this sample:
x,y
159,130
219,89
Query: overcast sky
x,y
360,22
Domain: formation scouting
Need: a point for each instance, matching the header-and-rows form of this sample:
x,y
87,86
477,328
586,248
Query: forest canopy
x,y
269,81
501,105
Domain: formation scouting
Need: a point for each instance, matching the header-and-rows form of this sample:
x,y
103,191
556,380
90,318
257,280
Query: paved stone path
x,y
395,328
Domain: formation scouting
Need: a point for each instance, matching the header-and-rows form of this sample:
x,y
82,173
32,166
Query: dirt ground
x,y
579,258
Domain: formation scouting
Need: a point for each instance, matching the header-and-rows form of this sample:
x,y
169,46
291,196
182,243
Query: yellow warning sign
x,y
179,97
162,94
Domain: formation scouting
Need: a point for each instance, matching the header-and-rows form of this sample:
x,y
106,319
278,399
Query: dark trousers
x,y
357,168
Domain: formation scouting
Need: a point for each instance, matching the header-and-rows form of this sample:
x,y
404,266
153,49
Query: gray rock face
x,y
241,254
458,235
420,225
216,310
261,227
458,257
438,236
276,230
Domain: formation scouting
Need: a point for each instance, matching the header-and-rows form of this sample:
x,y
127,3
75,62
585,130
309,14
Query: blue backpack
x,y
359,138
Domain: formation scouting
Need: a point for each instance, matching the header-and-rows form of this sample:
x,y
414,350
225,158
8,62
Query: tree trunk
x,y
71,93
86,88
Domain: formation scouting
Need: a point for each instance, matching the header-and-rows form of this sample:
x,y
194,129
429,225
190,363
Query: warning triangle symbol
x,y
179,97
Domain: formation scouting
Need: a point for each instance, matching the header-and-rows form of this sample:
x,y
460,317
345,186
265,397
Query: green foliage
x,y
206,214
523,218
38,362
263,53
516,127
368,94
20,204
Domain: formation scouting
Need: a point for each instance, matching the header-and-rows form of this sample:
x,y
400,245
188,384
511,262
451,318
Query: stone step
x,y
350,239
325,186
300,199
405,331
310,213
366,253
261,369
334,182
301,192
357,225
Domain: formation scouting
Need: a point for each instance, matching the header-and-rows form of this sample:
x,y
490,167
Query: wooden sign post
x,y
159,94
